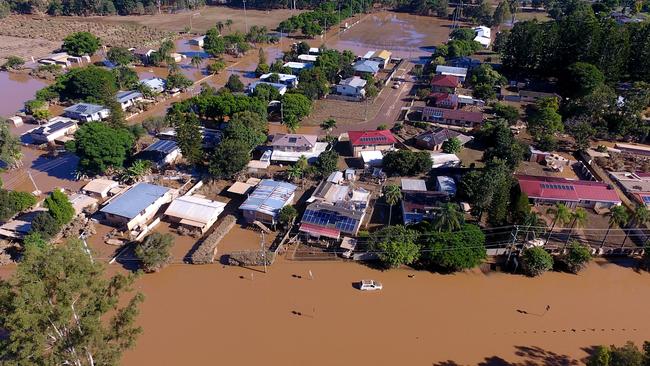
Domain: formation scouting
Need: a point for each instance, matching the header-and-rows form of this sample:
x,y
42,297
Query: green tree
x,y
407,163
295,106
576,258
392,195
213,43
188,136
59,207
579,218
154,253
229,158
544,119
13,202
448,218
452,146
216,67
501,13
536,261
99,147
34,240
507,112
13,63
177,80
45,225
395,245
136,171
328,125
287,215
126,78
561,215
627,355
294,172
234,84
81,43
453,251
60,308
582,78
10,152
618,216
196,61
327,162
247,127
120,56
600,357
640,216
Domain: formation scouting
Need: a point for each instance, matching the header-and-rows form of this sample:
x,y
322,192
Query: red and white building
x,y
374,140
572,193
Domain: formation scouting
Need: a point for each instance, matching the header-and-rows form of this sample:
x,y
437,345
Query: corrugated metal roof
x,y
414,184
562,189
85,108
194,208
269,197
163,146
130,203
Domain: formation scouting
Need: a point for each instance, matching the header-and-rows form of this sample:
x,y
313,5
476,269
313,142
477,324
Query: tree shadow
x,y
530,355
62,167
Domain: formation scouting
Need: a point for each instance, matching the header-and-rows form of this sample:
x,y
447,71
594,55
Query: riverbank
x,y
230,315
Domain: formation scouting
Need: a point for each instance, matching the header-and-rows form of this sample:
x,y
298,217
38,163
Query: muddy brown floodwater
x,y
15,90
195,315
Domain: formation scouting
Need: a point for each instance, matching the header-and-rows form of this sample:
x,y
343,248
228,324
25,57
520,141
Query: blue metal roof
x,y
366,66
269,197
130,203
163,146
125,96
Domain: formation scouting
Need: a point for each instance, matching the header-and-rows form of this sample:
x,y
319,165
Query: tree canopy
x,y
81,43
407,163
452,251
396,245
100,146
153,252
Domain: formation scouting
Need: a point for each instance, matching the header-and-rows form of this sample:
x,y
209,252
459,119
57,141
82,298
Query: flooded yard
x,y
15,90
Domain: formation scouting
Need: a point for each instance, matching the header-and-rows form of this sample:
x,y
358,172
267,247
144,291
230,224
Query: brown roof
x,y
293,140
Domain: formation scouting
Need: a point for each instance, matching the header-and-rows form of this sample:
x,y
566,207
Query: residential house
x,y
459,72
483,36
128,98
161,153
464,62
81,202
137,206
100,188
372,158
143,54
446,184
281,88
21,225
211,137
368,55
444,84
194,212
290,147
314,51
86,112
60,59
297,67
443,160
380,140
420,205
308,59
291,81
636,185
443,100
198,41
409,184
155,84
352,87
382,57
335,209
267,200
572,193
464,100
453,117
366,67
56,129
433,139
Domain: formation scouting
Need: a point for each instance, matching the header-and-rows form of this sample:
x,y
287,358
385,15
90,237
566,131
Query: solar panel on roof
x,y
646,199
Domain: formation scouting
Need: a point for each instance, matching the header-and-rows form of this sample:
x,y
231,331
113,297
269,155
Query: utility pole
x,y
512,245
37,191
245,17
263,251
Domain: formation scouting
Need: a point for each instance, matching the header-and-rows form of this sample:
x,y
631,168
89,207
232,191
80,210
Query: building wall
x,y
356,150
348,90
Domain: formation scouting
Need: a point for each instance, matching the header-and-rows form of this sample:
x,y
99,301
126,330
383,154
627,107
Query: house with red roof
x,y
453,117
573,193
443,100
444,84
374,140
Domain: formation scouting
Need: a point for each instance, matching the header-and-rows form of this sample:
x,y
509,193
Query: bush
x,y
234,84
287,214
59,207
407,163
536,261
13,62
576,258
153,252
12,202
45,225
327,162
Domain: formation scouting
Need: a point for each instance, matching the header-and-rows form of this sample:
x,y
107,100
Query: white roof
x,y
295,65
446,184
444,160
484,41
314,50
100,186
194,208
240,188
483,31
281,77
449,70
80,201
414,185
372,157
293,156
355,82
308,58
368,55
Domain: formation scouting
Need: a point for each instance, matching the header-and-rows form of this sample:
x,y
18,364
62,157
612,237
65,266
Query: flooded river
x,y
15,90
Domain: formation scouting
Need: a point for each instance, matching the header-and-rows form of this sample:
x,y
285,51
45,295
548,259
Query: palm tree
x,y
579,217
392,195
302,162
328,125
449,218
561,214
640,216
173,67
196,61
229,24
618,216
533,223
220,26
294,172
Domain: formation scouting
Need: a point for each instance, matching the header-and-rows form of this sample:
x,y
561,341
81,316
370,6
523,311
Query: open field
x,y
209,16
25,48
203,314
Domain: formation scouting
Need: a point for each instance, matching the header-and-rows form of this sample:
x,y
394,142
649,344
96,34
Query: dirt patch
x,y
207,18
25,48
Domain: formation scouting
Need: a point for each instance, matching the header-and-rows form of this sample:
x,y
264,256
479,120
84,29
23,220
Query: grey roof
x,y
163,146
153,83
269,197
85,109
355,82
277,86
440,135
446,184
414,184
294,140
125,96
281,77
450,70
366,66
130,203
54,125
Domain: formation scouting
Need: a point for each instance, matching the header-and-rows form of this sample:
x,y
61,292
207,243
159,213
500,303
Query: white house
x,y
137,206
281,88
86,112
100,187
128,98
289,80
155,84
483,36
308,59
54,129
353,87
198,41
297,67
194,212
459,72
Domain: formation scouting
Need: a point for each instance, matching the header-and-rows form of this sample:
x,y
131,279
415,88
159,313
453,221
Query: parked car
x,y
396,85
370,285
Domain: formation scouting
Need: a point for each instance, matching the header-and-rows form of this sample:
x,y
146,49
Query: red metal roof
x,y
374,137
445,81
320,231
562,189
